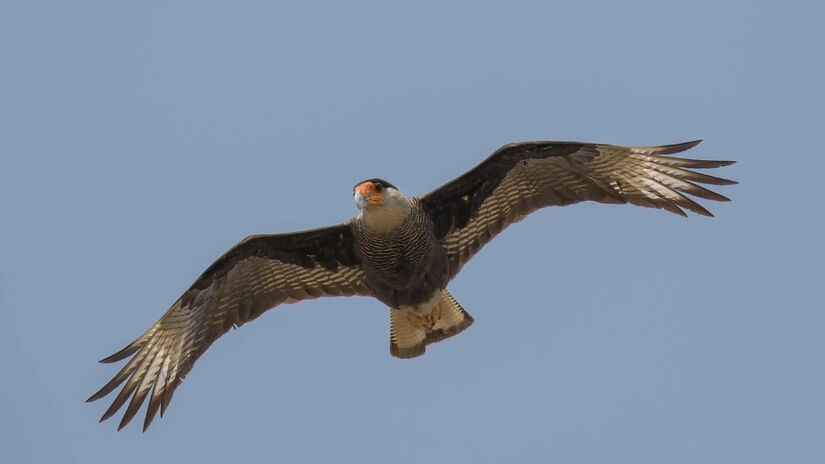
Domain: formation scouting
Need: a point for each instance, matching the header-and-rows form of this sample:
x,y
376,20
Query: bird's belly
x,y
406,282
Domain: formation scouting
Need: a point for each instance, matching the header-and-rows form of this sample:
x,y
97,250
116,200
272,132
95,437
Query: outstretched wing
x,y
259,273
520,178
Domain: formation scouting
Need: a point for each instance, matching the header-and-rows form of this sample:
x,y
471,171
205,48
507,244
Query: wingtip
x,y
700,210
109,413
670,149
150,416
678,147
122,354
721,181
98,395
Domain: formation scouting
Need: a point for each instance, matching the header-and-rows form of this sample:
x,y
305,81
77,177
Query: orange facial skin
x,y
373,196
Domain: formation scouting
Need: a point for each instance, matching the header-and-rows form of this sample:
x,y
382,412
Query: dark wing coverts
x,y
520,178
259,273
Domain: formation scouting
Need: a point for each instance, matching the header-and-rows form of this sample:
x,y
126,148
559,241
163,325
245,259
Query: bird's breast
x,y
404,267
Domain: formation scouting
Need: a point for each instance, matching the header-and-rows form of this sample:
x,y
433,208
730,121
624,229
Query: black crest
x,y
380,183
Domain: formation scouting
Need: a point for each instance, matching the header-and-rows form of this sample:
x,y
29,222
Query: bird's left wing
x,y
259,273
520,178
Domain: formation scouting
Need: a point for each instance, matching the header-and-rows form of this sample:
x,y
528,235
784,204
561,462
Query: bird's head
x,y
374,193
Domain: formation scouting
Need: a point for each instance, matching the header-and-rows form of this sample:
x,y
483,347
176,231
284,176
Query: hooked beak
x,y
367,195
360,200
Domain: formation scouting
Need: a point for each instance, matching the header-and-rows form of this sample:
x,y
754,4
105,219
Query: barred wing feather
x,y
521,178
259,273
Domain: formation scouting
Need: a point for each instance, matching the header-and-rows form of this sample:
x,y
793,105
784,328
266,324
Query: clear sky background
x,y
140,140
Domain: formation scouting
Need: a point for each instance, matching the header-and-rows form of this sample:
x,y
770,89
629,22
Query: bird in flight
x,y
401,250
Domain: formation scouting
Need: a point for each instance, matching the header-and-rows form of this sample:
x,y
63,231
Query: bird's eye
x,y
379,187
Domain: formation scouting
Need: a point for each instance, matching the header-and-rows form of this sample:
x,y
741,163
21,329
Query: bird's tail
x,y
412,331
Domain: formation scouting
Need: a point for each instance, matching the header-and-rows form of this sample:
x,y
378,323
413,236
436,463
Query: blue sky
x,y
140,140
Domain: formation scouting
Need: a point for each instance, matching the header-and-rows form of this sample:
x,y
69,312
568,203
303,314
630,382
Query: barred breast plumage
x,y
404,266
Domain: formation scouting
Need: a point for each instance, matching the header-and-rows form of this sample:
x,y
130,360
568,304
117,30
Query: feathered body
x,y
404,265
400,250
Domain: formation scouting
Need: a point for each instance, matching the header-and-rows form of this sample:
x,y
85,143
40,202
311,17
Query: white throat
x,y
387,217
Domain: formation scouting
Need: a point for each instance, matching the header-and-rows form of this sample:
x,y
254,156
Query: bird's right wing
x,y
259,273
520,178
